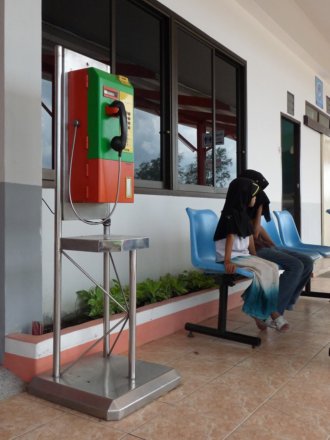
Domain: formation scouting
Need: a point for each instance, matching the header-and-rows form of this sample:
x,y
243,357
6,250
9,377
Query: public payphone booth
x,y
94,169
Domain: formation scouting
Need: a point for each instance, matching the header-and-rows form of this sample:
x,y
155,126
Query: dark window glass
x,y
80,25
138,57
194,111
226,122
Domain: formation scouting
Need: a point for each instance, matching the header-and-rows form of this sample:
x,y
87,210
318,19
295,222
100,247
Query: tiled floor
x,y
278,391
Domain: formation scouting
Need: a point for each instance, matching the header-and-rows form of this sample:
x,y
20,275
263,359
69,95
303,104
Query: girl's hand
x,y
230,267
256,231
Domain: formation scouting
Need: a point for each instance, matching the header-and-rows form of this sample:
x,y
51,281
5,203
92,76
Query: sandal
x,y
281,324
270,323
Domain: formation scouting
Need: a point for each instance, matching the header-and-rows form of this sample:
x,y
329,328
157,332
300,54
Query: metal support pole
x,y
132,316
106,298
58,216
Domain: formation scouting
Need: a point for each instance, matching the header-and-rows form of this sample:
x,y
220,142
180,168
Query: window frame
x,y
313,123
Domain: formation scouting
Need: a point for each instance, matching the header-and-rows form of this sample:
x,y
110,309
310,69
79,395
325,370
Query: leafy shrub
x,y
147,292
194,280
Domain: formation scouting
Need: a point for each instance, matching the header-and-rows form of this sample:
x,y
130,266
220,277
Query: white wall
x,y
161,218
20,97
272,70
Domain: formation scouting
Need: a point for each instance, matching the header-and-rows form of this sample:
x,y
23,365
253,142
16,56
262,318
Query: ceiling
x,y
303,25
318,12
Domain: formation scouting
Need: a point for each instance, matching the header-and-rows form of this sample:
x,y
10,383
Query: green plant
x,y
92,300
147,292
195,280
173,285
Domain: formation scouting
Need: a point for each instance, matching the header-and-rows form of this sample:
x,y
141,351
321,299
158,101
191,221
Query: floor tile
x,y
269,424
71,427
269,363
306,395
20,414
234,403
184,424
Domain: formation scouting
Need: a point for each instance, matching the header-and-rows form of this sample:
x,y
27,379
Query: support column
x,y
20,166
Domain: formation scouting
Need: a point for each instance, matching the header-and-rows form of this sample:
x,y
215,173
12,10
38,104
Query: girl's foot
x,y
260,324
281,324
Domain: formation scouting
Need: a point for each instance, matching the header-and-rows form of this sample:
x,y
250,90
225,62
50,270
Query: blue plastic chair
x,y
272,230
291,238
203,223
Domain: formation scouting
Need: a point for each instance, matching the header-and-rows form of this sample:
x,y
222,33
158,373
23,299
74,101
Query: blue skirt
x,y
261,297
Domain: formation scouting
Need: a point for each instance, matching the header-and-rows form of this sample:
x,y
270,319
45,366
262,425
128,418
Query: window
x,y
189,91
226,107
316,119
207,99
139,52
194,111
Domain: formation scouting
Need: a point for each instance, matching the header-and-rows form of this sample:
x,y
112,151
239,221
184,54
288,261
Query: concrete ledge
x,y
28,356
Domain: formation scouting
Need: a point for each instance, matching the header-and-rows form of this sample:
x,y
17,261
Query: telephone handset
x,y
117,108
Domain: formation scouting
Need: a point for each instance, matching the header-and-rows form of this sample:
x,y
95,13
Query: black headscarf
x,y
234,218
261,198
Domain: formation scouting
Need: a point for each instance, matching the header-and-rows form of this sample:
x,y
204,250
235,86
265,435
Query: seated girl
x,y
235,247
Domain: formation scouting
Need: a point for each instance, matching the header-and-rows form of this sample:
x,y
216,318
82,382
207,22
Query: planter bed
x,y
27,355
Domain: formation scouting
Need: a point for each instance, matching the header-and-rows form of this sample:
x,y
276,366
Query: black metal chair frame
x,y
224,280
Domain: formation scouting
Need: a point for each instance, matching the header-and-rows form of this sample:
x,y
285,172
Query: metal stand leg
x,y
58,220
106,299
132,316
221,332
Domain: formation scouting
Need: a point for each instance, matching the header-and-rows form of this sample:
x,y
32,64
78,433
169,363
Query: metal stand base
x,y
221,332
101,386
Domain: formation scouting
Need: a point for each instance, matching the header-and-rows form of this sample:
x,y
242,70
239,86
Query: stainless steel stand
x,y
109,387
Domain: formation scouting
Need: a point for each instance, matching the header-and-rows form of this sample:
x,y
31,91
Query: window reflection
x,y
146,136
226,122
198,162
46,123
195,156
187,158
139,58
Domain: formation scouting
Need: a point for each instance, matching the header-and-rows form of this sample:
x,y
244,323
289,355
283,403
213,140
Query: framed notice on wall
x,y
318,92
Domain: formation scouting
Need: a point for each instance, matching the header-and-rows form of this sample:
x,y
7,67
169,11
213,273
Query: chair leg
x,y
310,293
221,331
